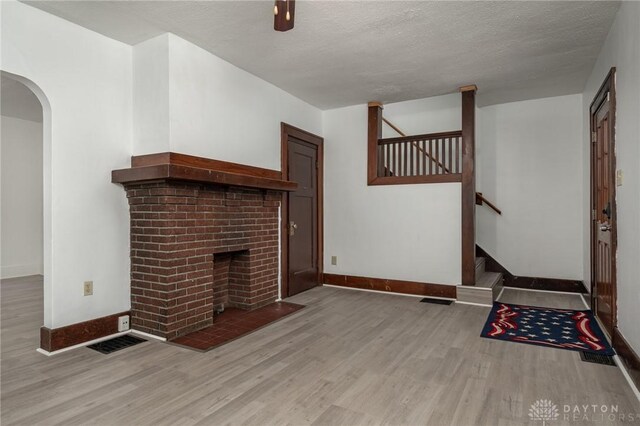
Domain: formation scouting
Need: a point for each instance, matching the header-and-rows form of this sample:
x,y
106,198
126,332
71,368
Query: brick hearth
x,y
196,247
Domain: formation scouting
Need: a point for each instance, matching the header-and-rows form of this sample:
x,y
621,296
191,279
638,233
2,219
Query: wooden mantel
x,y
182,167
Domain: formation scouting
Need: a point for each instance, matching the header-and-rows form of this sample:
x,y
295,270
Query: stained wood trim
x,y
74,334
393,126
547,284
608,86
393,286
480,200
203,163
426,136
374,133
469,88
628,356
533,283
468,187
416,141
408,180
199,175
286,131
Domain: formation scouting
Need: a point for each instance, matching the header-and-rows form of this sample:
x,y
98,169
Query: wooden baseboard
x,y
392,286
533,283
59,338
548,284
628,356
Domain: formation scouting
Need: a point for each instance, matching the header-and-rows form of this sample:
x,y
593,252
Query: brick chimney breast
x,y
196,248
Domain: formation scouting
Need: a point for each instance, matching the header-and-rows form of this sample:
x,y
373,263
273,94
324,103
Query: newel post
x,y
468,185
374,133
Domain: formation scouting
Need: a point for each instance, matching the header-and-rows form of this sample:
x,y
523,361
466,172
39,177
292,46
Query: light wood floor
x,y
348,358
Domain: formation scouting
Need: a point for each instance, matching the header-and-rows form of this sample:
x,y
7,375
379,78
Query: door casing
x,y
287,130
607,87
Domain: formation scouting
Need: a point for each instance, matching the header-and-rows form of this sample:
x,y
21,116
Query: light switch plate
x,y
334,260
619,177
88,288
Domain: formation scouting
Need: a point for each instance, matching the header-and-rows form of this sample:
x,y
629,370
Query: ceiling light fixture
x,y
283,21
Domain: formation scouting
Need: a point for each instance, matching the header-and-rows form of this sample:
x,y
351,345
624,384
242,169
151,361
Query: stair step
x,y
480,265
488,279
487,288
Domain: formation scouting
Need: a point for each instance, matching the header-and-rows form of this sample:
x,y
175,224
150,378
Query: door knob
x,y
605,227
292,228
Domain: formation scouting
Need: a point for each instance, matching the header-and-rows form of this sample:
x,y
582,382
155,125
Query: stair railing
x,y
392,153
411,160
416,141
480,200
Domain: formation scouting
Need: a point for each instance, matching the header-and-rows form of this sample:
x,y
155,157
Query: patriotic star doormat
x,y
555,328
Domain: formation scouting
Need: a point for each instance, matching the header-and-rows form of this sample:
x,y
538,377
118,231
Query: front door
x,y
603,207
303,216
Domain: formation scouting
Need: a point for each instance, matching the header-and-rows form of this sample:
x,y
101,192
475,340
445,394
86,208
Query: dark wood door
x,y
303,216
603,213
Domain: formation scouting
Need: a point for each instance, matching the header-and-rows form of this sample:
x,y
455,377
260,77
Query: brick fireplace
x,y
202,239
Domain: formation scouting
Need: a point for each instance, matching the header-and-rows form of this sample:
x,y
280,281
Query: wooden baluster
x,y
423,157
405,158
419,158
450,143
446,156
457,155
405,148
392,167
392,160
405,161
430,156
396,149
387,163
411,159
443,160
437,156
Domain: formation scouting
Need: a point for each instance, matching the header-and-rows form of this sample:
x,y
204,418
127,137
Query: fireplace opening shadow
x,y
234,323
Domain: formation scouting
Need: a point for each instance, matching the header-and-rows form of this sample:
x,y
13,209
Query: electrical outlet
x,y
88,288
123,323
334,260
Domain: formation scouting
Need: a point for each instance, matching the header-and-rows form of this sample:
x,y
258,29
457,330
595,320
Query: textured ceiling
x,y
344,53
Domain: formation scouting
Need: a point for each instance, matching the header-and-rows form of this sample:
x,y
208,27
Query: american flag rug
x,y
554,328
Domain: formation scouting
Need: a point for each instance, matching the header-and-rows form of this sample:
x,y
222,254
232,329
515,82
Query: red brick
x,y
194,248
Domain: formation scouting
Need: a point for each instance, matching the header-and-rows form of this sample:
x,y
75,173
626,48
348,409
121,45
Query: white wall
x,y
186,100
215,109
21,190
420,116
86,80
622,50
151,96
529,163
404,232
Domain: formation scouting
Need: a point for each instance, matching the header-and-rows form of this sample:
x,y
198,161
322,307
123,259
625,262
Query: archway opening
x,y
24,205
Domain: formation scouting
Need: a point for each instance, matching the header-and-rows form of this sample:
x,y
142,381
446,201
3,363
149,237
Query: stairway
x,y
488,286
